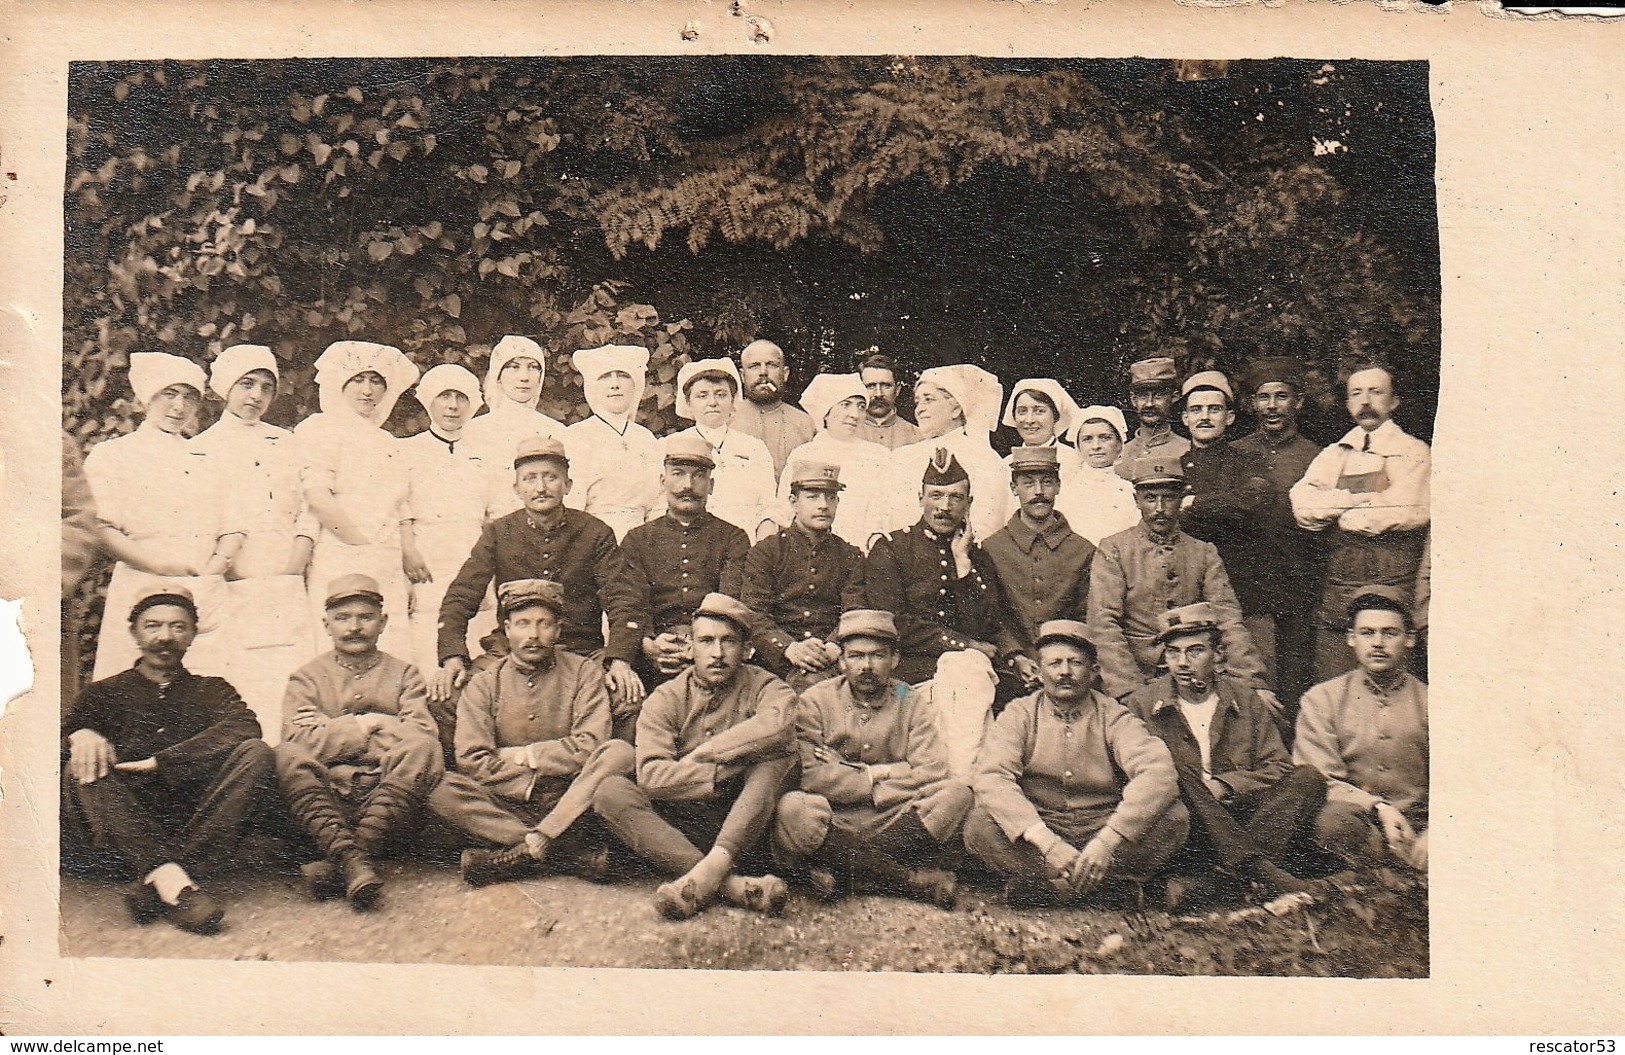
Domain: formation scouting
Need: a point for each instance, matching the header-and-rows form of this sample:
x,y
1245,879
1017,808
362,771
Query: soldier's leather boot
x,y
387,810
314,806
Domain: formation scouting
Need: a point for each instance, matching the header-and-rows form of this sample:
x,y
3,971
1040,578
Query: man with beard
x,y
532,746
1041,564
800,580
673,562
944,592
715,751
1071,789
876,800
357,741
1151,568
764,413
1296,557
882,424
1369,492
1225,497
1151,389
546,540
1367,730
163,770
1247,802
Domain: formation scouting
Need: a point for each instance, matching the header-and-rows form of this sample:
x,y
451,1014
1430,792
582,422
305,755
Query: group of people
x,y
826,642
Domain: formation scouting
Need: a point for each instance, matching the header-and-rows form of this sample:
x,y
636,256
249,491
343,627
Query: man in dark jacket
x,y
1246,800
163,769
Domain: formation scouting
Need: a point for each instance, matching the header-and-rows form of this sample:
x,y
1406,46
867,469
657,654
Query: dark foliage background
x,y
1036,217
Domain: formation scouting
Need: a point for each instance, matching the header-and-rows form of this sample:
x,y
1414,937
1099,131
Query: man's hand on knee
x,y
90,756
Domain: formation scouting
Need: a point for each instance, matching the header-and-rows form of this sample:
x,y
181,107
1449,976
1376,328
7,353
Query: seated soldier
x,y
1152,567
163,769
672,562
1247,801
1368,732
942,588
799,580
715,751
876,799
1042,565
532,744
357,742
1071,788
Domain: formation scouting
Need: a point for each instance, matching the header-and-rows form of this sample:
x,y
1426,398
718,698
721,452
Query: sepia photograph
x,y
904,513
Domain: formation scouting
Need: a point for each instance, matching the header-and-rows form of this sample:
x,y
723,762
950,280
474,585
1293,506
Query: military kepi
x,y
1035,460
1068,630
1151,470
1388,596
944,470
353,587
689,448
816,476
533,447
721,606
1188,619
518,594
866,622
1156,372
163,593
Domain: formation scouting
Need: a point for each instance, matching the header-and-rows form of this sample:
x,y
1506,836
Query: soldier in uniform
x,y
876,800
674,561
357,741
744,483
546,540
533,743
1152,567
941,586
799,580
715,752
1248,803
1152,385
1071,788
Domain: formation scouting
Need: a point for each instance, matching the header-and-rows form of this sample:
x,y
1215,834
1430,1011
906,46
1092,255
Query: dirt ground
x,y
1368,925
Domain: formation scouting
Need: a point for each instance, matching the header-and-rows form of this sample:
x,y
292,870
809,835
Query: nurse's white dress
x,y
1096,502
991,503
362,465
496,435
447,507
268,633
610,473
153,486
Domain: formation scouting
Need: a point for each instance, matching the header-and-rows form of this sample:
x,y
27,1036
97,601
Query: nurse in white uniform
x,y
355,478
266,533
513,387
157,514
836,402
957,408
744,488
446,503
1095,500
1041,411
610,453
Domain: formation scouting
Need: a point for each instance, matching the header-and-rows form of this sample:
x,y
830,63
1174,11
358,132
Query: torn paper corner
x,y
16,664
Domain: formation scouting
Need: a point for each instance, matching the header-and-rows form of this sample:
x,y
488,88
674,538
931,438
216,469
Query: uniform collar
x,y
549,659
1053,533
1168,696
1090,700
1398,685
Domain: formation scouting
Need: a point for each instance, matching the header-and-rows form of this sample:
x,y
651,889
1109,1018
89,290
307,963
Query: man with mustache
x,y
358,741
1153,383
799,580
1071,788
547,540
1042,565
715,751
1152,567
674,561
1248,803
1275,387
881,423
764,413
162,770
1367,730
876,804
1370,493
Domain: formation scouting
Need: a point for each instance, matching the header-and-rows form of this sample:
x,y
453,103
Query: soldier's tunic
x,y
1137,576
901,727
1229,494
781,428
1164,441
579,553
798,586
1043,574
672,566
896,431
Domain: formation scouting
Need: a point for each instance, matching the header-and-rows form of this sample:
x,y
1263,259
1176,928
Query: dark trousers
x,y
1294,658
138,821
1260,824
1136,861
667,834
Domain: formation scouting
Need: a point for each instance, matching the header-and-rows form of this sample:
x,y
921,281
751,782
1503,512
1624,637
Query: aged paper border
x,y
1528,927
